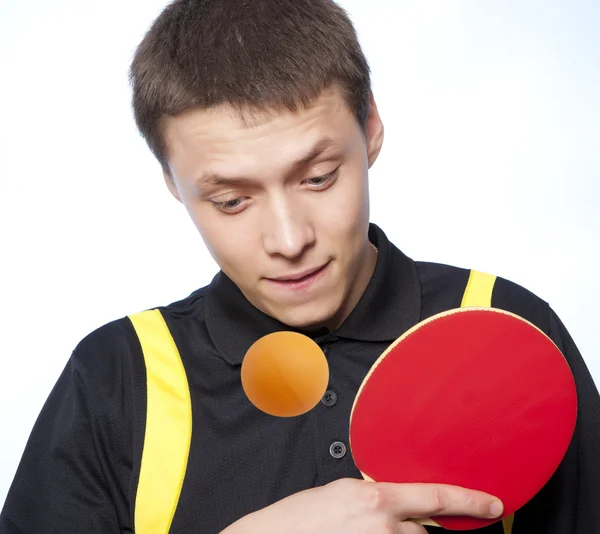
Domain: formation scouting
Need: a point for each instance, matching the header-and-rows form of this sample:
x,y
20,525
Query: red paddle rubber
x,y
477,398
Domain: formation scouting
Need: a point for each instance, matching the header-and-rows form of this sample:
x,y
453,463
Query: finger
x,y
412,501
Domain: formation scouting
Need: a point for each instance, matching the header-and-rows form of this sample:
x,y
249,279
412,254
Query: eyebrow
x,y
317,150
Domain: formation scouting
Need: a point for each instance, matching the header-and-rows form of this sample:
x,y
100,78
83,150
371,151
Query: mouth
x,y
299,280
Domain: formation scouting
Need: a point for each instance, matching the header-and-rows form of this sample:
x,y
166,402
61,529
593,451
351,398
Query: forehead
x,y
223,136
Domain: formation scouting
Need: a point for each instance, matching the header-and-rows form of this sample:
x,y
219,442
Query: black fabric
x,y
81,465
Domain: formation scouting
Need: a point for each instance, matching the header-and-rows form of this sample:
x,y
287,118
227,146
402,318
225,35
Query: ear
x,y
374,132
171,184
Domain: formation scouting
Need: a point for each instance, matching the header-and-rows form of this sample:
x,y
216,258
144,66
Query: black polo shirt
x,y
81,465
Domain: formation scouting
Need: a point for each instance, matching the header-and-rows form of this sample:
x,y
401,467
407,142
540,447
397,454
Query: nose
x,y
287,230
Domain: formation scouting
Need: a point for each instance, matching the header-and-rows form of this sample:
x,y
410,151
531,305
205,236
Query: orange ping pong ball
x,y
285,374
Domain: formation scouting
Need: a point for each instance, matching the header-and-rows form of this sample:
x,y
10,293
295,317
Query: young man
x,y
262,117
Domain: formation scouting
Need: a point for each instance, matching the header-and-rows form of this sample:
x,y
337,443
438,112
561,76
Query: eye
x,y
230,206
324,181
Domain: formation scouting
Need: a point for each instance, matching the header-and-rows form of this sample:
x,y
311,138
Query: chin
x,y
304,317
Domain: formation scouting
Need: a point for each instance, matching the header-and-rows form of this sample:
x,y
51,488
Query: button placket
x,y
329,398
337,450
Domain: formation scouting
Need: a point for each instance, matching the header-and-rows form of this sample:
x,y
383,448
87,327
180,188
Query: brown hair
x,y
249,54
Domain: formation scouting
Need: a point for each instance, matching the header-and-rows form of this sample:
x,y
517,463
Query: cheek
x,y
346,209
235,258
226,238
234,252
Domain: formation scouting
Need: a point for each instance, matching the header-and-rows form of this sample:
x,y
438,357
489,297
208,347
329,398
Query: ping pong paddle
x,y
473,397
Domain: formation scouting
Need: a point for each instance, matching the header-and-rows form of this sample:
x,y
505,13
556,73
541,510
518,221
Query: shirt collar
x,y
390,305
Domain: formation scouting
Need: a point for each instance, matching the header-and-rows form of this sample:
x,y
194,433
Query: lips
x,y
300,281
295,277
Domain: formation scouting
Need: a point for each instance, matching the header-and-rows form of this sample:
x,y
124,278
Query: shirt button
x,y
337,449
330,398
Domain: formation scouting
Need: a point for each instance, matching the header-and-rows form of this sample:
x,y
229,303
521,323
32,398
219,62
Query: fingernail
x,y
496,508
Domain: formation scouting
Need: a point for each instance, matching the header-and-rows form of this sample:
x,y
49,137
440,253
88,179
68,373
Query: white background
x,y
491,161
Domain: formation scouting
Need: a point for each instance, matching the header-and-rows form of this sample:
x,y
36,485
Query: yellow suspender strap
x,y
479,289
168,426
478,293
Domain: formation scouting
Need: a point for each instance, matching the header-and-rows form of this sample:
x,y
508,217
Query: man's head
x,y
260,113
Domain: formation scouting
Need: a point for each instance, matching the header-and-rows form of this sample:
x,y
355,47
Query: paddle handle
x,y
426,522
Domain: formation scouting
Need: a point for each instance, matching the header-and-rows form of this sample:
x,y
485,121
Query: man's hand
x,y
352,506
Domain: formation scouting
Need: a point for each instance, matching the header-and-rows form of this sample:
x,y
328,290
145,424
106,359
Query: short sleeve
x,y
75,471
570,502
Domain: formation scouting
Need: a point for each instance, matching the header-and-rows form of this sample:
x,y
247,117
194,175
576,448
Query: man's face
x,y
282,202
